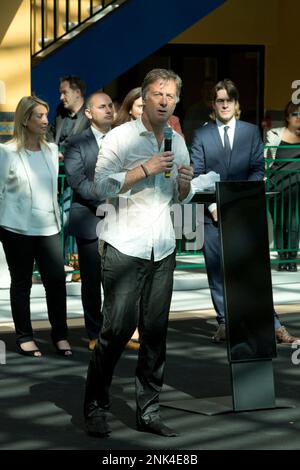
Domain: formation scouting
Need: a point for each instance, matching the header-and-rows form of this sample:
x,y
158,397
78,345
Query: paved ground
x,y
191,294
41,399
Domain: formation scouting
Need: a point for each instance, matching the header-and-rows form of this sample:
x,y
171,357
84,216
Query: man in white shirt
x,y
138,250
80,161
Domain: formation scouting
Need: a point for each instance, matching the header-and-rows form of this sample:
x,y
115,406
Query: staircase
x,y
54,22
99,40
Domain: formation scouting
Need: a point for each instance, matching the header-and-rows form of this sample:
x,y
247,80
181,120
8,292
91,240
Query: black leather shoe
x,y
282,267
292,267
156,426
98,425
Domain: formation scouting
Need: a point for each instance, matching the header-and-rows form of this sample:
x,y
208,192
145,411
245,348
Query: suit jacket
x,y
247,154
16,185
54,132
80,161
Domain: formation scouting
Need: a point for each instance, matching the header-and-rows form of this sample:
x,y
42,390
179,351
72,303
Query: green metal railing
x,y
283,191
283,208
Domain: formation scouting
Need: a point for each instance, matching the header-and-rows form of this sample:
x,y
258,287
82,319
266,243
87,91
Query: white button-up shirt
x,y
139,220
230,132
98,135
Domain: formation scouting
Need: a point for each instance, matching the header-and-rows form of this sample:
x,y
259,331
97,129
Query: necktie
x,y
227,148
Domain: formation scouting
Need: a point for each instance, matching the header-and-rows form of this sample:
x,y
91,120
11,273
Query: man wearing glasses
x,y
233,149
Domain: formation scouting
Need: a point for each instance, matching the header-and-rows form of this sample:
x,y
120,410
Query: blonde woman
x,y
30,224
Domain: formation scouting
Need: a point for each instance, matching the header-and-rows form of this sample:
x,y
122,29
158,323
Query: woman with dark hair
x,y
30,224
285,179
131,108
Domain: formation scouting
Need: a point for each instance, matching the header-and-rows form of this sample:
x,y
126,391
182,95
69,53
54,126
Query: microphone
x,y
168,145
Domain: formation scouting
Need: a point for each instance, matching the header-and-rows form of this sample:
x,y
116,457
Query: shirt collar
x,y
230,124
98,134
141,128
78,113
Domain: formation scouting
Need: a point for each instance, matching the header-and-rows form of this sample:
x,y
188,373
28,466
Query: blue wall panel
x,y
117,42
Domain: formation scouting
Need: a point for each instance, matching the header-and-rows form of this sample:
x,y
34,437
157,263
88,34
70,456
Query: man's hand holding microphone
x,y
163,162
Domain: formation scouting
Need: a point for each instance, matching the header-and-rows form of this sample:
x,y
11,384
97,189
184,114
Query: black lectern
x,y
248,299
248,295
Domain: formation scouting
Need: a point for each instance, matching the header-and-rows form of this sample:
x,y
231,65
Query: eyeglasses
x,y
295,114
220,101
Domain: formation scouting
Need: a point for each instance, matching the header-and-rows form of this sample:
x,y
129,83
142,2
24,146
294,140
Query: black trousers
x,y
90,273
129,281
21,251
212,256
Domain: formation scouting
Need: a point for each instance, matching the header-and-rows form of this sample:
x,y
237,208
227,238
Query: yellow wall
x,y
14,52
282,56
272,23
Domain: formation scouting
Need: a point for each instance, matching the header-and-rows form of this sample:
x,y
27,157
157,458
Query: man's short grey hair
x,y
161,74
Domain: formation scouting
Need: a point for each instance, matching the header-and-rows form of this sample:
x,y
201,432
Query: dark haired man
x,y
70,120
233,149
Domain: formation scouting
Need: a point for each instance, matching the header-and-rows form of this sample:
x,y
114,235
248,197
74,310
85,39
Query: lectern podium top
x,y
204,196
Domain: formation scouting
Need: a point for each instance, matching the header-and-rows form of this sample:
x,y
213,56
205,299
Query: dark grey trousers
x,y
132,287
90,272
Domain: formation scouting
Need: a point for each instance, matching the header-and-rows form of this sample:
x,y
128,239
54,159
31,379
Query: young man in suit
x,y
233,149
80,161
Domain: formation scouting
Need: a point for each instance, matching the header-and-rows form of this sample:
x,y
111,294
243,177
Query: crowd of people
x,y
121,159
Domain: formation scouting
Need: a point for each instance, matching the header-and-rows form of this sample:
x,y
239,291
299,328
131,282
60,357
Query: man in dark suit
x,y
70,117
80,161
233,149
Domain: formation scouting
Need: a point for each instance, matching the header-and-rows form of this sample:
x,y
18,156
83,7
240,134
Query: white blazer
x,y
16,185
274,137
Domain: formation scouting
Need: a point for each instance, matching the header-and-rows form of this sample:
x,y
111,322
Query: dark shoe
x,y
31,353
282,267
155,426
291,267
284,337
133,344
220,334
65,352
98,425
92,344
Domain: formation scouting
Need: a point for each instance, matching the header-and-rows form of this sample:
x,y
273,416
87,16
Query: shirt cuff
x,y
117,180
188,197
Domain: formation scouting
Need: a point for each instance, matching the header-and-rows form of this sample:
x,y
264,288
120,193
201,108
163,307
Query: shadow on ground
x,y
41,398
